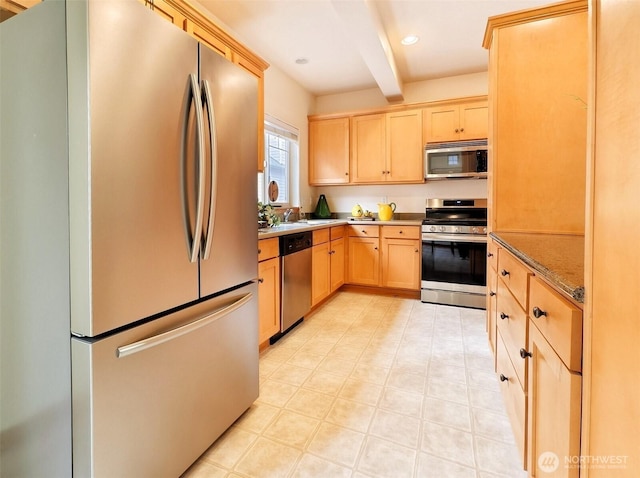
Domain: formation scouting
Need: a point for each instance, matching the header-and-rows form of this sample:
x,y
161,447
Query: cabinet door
x,y
166,11
441,124
364,261
207,38
329,151
492,294
320,263
368,162
269,298
401,263
337,264
474,121
554,410
404,146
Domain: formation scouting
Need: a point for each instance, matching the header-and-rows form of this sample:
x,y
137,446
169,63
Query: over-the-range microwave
x,y
462,159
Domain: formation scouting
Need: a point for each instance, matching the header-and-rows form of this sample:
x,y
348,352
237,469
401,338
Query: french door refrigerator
x,y
128,241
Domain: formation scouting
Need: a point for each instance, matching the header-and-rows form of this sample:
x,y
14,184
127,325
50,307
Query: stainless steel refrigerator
x,y
128,242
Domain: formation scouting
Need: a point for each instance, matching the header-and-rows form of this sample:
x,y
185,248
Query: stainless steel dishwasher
x,y
295,257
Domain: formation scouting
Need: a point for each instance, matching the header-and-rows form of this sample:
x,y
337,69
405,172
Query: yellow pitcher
x,y
385,211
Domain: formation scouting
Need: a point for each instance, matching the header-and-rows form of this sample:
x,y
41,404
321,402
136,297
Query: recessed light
x,y
302,61
410,40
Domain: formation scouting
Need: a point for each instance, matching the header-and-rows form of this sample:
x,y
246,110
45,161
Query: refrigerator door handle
x,y
214,168
193,98
172,334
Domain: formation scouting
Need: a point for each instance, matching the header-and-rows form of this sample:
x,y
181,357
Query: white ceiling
x,y
355,44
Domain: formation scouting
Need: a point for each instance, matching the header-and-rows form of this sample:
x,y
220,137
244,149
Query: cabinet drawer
x,y
358,230
320,236
337,232
512,324
515,399
492,255
268,248
401,232
515,275
559,321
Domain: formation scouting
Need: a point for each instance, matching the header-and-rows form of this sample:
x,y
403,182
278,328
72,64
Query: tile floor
x,y
373,386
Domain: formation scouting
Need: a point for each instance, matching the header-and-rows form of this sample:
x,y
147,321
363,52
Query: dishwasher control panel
x,y
292,243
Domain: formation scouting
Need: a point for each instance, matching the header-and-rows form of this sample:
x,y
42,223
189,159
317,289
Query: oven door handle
x,y
431,237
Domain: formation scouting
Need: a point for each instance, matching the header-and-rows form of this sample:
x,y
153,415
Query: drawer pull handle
x,y
503,316
503,378
492,293
504,272
538,312
524,354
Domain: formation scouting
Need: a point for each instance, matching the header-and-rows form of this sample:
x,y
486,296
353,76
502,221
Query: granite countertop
x,y
302,226
558,258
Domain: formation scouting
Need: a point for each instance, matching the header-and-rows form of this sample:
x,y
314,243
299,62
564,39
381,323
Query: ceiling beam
x,y
361,21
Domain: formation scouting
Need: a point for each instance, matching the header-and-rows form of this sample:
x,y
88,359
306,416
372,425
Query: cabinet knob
x,y
537,312
259,251
400,231
462,130
375,248
490,254
261,280
363,231
503,316
504,272
346,174
524,354
457,130
417,250
492,293
503,378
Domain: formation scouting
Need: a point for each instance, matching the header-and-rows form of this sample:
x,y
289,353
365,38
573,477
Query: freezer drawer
x,y
150,400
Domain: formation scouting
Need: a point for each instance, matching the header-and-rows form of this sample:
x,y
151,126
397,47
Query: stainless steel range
x,y
454,252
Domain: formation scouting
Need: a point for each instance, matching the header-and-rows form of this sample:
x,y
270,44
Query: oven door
x,y
454,263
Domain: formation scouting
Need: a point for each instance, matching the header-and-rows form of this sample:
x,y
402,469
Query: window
x,y
280,153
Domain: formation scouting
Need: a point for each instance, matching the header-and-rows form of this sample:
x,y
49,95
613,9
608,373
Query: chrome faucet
x,y
287,213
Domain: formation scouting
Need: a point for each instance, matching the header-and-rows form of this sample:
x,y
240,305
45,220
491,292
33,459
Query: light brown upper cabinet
x,y
538,133
329,151
387,147
456,122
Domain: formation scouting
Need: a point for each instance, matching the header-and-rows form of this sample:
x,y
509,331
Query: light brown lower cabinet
x,y
401,257
268,289
327,262
554,406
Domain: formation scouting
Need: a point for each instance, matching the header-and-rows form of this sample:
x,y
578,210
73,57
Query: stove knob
x,y
484,230
456,229
432,228
442,228
474,230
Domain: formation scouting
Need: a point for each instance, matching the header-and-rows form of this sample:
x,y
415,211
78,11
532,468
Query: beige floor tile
x,y
353,415
373,387
433,467
337,444
310,403
276,393
397,428
497,457
401,401
448,443
257,418
324,382
447,413
292,429
361,391
447,390
291,374
381,458
267,458
230,447
311,466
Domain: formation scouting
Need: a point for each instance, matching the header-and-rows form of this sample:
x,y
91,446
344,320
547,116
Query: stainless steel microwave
x,y
463,159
